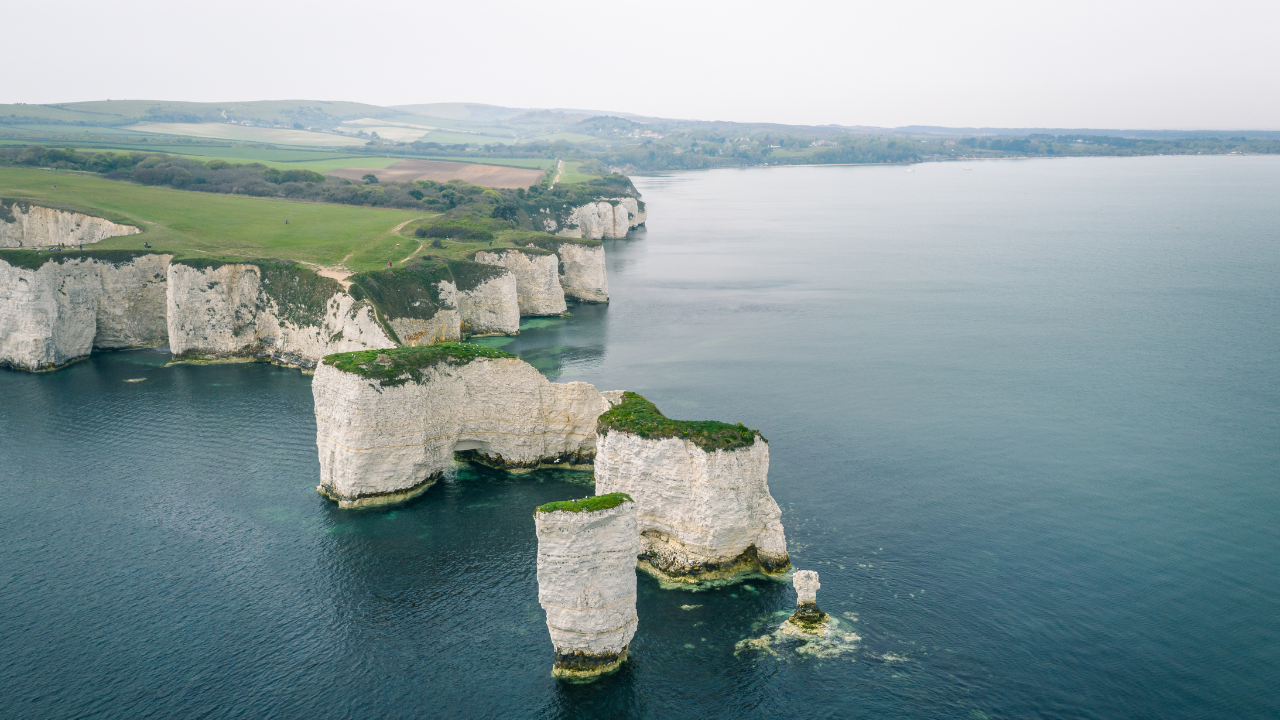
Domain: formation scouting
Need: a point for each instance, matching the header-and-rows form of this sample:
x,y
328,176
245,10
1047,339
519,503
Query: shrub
x,y
637,416
420,232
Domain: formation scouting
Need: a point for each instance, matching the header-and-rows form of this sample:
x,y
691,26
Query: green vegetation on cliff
x,y
397,366
34,260
591,504
637,416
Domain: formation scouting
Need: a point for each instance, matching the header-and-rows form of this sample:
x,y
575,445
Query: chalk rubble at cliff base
x,y
587,581
384,439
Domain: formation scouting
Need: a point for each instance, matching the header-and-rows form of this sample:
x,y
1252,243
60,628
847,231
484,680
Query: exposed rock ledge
x,y
24,225
587,581
705,512
389,423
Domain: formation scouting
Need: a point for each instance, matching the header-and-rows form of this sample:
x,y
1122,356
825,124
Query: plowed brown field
x,y
494,176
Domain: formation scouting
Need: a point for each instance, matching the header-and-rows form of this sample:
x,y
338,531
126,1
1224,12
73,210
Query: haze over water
x,y
1023,420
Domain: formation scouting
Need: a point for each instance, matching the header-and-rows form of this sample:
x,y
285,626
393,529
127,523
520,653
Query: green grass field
x,y
572,176
220,226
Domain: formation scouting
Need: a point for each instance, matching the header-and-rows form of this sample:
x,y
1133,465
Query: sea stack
x,y
537,272
388,422
701,487
808,615
587,581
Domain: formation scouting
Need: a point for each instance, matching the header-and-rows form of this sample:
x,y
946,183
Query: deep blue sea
x,y
1024,419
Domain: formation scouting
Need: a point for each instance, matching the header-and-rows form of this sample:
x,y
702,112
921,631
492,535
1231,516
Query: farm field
x,y
495,176
221,226
245,133
543,164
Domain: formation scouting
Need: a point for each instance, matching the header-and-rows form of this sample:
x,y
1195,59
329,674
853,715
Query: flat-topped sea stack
x,y
705,512
25,225
587,581
537,273
388,422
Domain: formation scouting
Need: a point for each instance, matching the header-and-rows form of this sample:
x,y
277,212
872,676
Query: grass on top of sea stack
x,y
591,504
636,415
396,366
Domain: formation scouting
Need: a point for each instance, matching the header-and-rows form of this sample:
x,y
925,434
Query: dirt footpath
x,y
494,176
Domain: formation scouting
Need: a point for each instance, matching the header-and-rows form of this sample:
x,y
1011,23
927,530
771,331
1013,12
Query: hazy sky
x,y
1161,64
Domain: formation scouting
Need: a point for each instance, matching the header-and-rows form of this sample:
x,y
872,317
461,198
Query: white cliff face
x,y
584,277
490,308
385,444
703,515
587,585
223,312
35,226
444,326
131,312
61,311
604,219
537,276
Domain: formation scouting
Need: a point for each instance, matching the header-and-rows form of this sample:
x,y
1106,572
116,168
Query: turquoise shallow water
x,y
1023,420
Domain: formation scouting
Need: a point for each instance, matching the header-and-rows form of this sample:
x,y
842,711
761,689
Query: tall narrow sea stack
x,y
587,581
705,512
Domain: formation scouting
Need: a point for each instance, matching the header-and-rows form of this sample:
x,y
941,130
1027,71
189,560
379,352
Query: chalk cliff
x,y
537,274
388,423
26,225
57,308
490,307
587,581
583,276
608,218
705,512
268,310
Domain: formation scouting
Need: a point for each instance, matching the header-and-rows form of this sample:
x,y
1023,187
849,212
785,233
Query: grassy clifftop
x,y
591,504
397,366
637,416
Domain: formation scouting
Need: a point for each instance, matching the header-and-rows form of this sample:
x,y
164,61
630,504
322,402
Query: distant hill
x,y
116,113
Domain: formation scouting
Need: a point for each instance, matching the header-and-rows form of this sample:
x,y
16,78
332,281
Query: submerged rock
x,y
587,581
388,423
705,512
